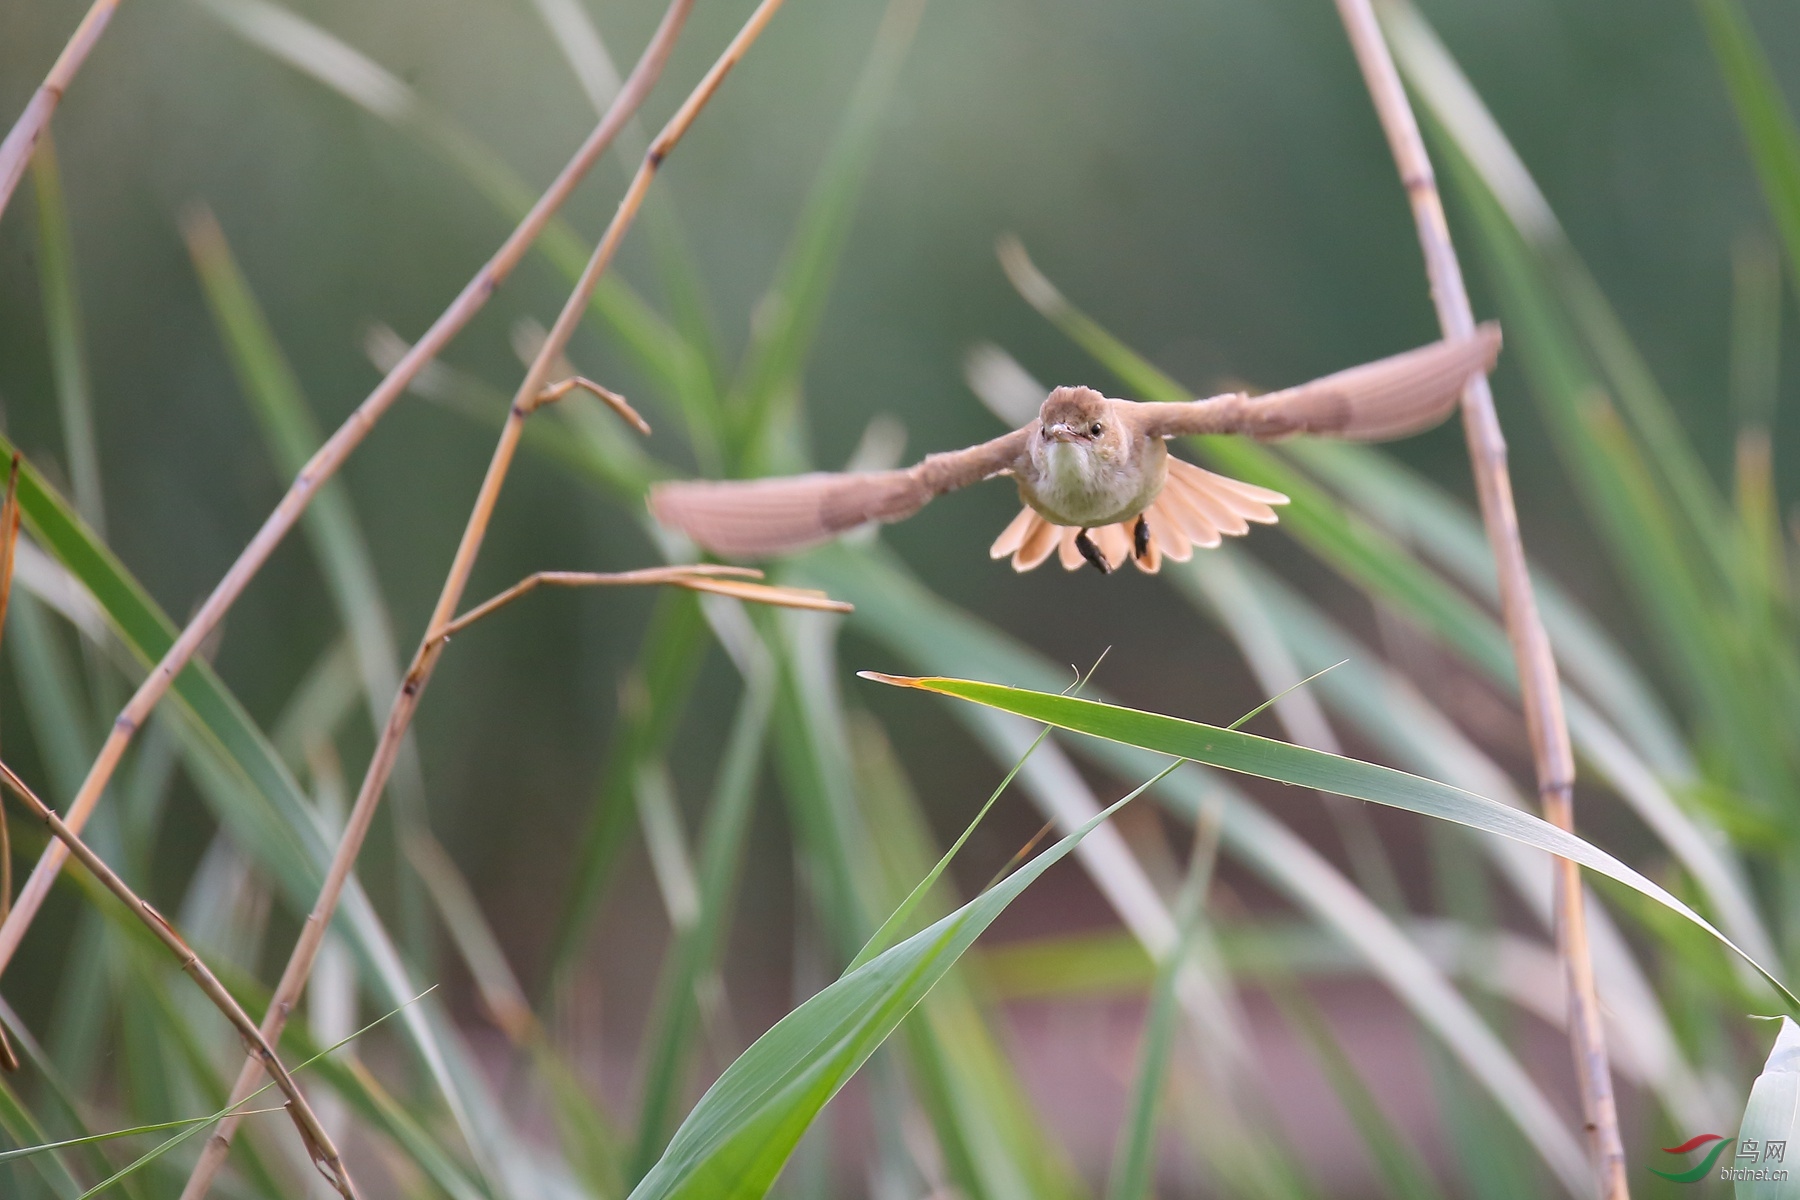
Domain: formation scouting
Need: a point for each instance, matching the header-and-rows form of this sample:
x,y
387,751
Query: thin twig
x,y
702,577
319,1146
1540,691
418,674
619,404
325,463
22,138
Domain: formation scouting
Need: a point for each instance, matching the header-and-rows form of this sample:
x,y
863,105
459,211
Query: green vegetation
x,y
1676,637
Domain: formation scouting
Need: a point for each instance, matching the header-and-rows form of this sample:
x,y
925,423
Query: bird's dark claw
x,y
1091,552
1140,538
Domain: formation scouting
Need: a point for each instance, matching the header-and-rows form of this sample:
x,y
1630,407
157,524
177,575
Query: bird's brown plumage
x,y
1391,398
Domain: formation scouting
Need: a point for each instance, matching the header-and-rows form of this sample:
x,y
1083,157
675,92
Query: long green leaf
x,y
656,692
1662,519
1763,115
288,427
278,31
735,1141
1249,754
789,313
62,320
1771,1116
1134,1161
895,609
696,949
992,1139
242,776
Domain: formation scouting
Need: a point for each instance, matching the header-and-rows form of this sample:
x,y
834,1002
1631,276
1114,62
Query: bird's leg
x,y
1140,538
1092,553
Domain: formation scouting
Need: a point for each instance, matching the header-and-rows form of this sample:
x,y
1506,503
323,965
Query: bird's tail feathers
x,y
1195,508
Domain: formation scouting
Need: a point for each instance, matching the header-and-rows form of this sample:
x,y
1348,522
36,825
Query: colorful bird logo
x,y
1706,1164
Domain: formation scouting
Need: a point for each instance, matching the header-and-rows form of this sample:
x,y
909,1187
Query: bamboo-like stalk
x,y
9,541
1539,689
22,138
319,1146
534,391
326,462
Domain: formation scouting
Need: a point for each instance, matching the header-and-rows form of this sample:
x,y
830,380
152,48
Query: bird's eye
x,y
1094,429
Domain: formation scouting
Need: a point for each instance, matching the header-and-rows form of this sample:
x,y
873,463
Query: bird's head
x,y
1079,416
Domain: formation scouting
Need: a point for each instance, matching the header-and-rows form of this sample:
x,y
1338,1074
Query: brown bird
x,y
1098,482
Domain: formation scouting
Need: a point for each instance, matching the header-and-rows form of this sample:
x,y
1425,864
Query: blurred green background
x,y
1207,179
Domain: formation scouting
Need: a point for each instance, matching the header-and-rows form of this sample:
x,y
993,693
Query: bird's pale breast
x,y
1077,484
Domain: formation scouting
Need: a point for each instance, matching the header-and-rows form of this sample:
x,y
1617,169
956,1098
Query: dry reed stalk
x,y
738,582
319,1146
22,138
1540,692
9,540
534,391
326,462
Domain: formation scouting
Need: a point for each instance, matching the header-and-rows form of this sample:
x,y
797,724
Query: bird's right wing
x,y
1390,398
756,518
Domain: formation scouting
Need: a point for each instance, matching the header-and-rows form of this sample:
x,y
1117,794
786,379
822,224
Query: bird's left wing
x,y
755,518
1389,398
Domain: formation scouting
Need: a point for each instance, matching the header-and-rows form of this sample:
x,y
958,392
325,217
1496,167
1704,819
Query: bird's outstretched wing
x,y
754,518
1390,398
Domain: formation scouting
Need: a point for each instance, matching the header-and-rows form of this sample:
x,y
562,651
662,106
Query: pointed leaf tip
x,y
908,681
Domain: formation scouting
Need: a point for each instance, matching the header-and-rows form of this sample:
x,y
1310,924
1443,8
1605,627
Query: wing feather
x,y
755,518
1390,398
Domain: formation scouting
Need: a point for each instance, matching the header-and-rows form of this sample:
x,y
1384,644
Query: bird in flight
x,y
1095,475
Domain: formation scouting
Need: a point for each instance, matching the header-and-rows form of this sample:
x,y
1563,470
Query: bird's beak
x,y
1059,432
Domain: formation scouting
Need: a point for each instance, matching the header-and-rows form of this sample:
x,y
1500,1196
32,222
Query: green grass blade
x,y
156,1152
1444,530
240,774
656,690
895,610
1386,711
1134,1162
735,1141
993,1141
1664,522
831,823
112,1135
883,937
60,1106
273,392
658,348
683,288
1449,99
1772,1115
1399,1163
1454,539
696,948
20,1124
789,313
1624,499
1283,763
62,329
1763,116
589,1142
